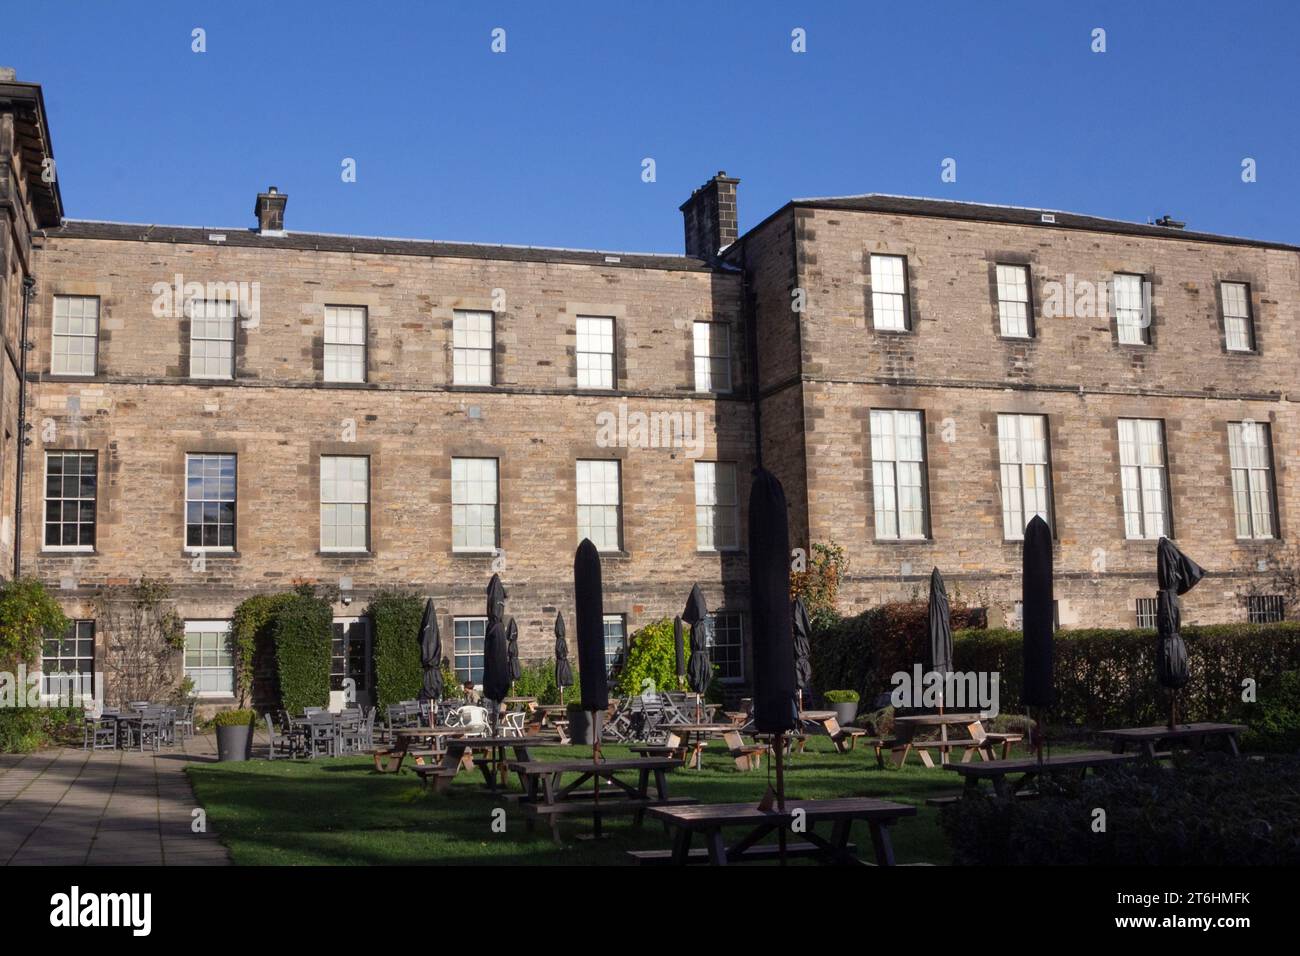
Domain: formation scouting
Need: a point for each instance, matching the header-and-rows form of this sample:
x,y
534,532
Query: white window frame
x,y
620,653
595,366
739,644
467,344
1132,323
209,627
1015,314
1026,474
192,311
66,338
1238,319
77,657
1141,443
595,506
45,522
889,293
457,654
234,500
345,343
712,350
717,506
340,492
887,468
469,492
1250,462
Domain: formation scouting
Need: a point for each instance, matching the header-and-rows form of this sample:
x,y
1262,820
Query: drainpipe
x,y
24,347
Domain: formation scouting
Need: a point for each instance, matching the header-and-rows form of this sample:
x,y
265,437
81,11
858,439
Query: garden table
x,y
493,763
546,795
695,738
905,729
997,771
1196,736
404,739
709,820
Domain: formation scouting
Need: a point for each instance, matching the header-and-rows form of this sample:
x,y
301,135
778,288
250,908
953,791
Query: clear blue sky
x,y
543,144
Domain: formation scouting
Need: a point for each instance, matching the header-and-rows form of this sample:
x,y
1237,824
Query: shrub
x,y
1275,721
1207,809
841,697
537,679
28,614
302,632
819,584
652,657
234,718
1106,678
251,628
28,729
395,619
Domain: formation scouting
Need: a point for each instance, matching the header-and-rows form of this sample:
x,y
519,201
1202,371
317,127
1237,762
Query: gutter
x,y
29,283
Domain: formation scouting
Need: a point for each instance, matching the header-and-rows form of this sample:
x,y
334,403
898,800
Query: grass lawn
x,y
339,811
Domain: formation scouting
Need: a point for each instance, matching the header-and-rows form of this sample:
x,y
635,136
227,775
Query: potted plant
x,y
845,705
580,724
234,734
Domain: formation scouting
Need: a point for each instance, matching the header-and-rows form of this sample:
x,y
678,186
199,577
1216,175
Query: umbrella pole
x,y
595,759
779,743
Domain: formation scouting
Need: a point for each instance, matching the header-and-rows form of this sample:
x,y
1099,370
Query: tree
x,y
145,638
28,615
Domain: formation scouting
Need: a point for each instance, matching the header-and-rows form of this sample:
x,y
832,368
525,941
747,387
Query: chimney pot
x,y
1169,222
269,210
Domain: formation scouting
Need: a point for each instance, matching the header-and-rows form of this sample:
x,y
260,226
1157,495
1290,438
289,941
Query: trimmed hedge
x,y
1106,678
395,618
303,631
1206,810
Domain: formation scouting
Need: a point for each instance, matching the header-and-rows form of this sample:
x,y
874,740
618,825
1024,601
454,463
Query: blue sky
x,y
544,143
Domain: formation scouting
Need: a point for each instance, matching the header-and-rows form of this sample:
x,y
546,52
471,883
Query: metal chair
x,y
474,719
322,735
512,724
184,724
99,733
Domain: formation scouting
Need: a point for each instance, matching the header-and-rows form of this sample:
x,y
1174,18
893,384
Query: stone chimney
x,y
710,217
269,210
8,74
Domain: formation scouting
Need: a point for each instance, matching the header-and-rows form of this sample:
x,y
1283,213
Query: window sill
x,y
192,553
474,555
903,540
618,555
67,552
1018,339
879,331
362,554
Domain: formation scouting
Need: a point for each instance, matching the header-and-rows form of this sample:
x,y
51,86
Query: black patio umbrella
x,y
496,599
679,650
496,664
430,656
699,672
1177,574
563,671
589,618
802,648
512,649
1037,620
939,659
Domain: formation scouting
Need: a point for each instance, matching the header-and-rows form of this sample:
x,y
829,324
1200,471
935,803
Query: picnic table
x,y
493,762
695,738
528,704
547,795
997,771
906,729
844,738
1195,736
389,759
709,820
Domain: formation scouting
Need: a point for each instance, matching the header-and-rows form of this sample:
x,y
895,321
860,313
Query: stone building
x,y
236,410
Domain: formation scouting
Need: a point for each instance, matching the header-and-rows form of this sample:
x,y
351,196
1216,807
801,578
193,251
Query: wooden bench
x,y
766,851
996,771
747,756
437,776
389,759
1194,736
844,738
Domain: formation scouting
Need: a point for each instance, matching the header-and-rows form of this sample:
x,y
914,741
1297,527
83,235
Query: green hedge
x,y
27,729
252,627
1106,678
1275,723
1206,810
302,631
396,618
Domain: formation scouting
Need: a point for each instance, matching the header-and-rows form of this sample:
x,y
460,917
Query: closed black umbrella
x,y
1176,574
496,663
430,655
802,648
679,650
775,699
699,672
1037,619
512,649
589,618
940,631
563,671
496,599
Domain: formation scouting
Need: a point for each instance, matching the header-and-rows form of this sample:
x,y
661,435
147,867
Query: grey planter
x,y
234,743
844,713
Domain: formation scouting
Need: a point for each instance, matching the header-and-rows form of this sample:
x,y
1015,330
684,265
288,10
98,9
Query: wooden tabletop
x,y
1164,731
998,768
586,766
700,728
935,720
472,742
818,714
707,815
430,732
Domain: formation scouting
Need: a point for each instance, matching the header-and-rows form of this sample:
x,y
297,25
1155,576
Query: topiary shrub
x,y
252,628
234,718
651,657
395,620
1204,810
302,631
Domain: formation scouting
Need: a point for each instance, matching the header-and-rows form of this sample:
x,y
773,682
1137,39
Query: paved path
x,y
107,807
